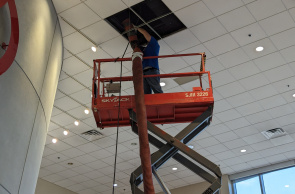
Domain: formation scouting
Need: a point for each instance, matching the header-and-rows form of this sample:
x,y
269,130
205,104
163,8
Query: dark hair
x,y
141,40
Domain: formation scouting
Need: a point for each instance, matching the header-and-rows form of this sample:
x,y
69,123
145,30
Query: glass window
x,y
281,181
251,185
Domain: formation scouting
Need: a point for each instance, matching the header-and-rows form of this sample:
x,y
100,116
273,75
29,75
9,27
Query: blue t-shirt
x,y
152,49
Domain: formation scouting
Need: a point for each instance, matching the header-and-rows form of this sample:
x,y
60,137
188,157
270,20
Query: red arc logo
x,y
8,57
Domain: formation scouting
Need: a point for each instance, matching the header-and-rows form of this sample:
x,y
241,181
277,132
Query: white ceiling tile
x,y
182,40
286,120
66,55
65,183
292,12
72,152
79,178
269,61
225,155
284,85
85,77
100,32
199,13
105,142
251,156
176,5
282,40
59,146
263,92
170,65
54,168
208,30
249,109
58,133
76,187
52,126
258,163
97,164
67,173
228,136
235,143
240,99
233,58
272,102
89,183
82,96
262,145
213,65
207,142
250,49
240,167
221,105
222,78
46,162
63,75
274,24
289,3
52,178
191,60
258,117
254,81
221,45
266,125
116,47
288,54
88,55
265,8
82,127
236,19
237,123
280,111
63,5
100,154
246,131
75,140
57,157
85,17
222,6
76,43
93,174
66,29
276,158
72,66
248,34
55,111
79,112
244,70
230,89
130,3
62,119
43,172
106,8
89,147
164,48
248,1
286,139
233,161
228,115
69,86
82,169
66,103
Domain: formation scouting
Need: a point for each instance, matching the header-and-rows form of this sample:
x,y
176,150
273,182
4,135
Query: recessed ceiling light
x,y
294,95
191,146
115,185
93,48
76,122
162,84
287,186
243,150
66,132
54,140
174,168
86,111
259,48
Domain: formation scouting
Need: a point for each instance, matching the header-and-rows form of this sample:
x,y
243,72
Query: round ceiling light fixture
x,y
243,150
66,132
174,168
259,48
86,111
93,48
76,122
54,140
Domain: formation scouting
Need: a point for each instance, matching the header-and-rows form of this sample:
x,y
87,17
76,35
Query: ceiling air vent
x,y
273,133
92,135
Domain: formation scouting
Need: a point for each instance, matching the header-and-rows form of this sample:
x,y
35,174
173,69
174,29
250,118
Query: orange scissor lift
x,y
195,106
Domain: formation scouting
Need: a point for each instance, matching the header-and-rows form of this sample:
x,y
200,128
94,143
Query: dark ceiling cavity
x,y
152,15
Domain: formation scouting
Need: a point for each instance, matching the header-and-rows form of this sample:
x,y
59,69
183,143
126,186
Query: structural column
x,y
27,91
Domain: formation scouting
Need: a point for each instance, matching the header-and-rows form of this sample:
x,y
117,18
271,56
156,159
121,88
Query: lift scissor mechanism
x,y
194,107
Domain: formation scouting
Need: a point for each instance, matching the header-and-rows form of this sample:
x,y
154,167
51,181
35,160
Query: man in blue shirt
x,y
150,66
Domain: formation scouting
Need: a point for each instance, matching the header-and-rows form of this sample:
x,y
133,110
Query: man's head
x,y
142,41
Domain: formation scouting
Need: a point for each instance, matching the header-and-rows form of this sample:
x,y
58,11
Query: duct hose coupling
x,y
137,54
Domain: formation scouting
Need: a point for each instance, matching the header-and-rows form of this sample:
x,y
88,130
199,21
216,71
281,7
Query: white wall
x,y
45,187
27,91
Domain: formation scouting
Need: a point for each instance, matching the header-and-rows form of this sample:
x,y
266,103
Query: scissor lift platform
x,y
164,108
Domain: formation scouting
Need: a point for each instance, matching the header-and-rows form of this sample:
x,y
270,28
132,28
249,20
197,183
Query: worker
x,y
150,47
